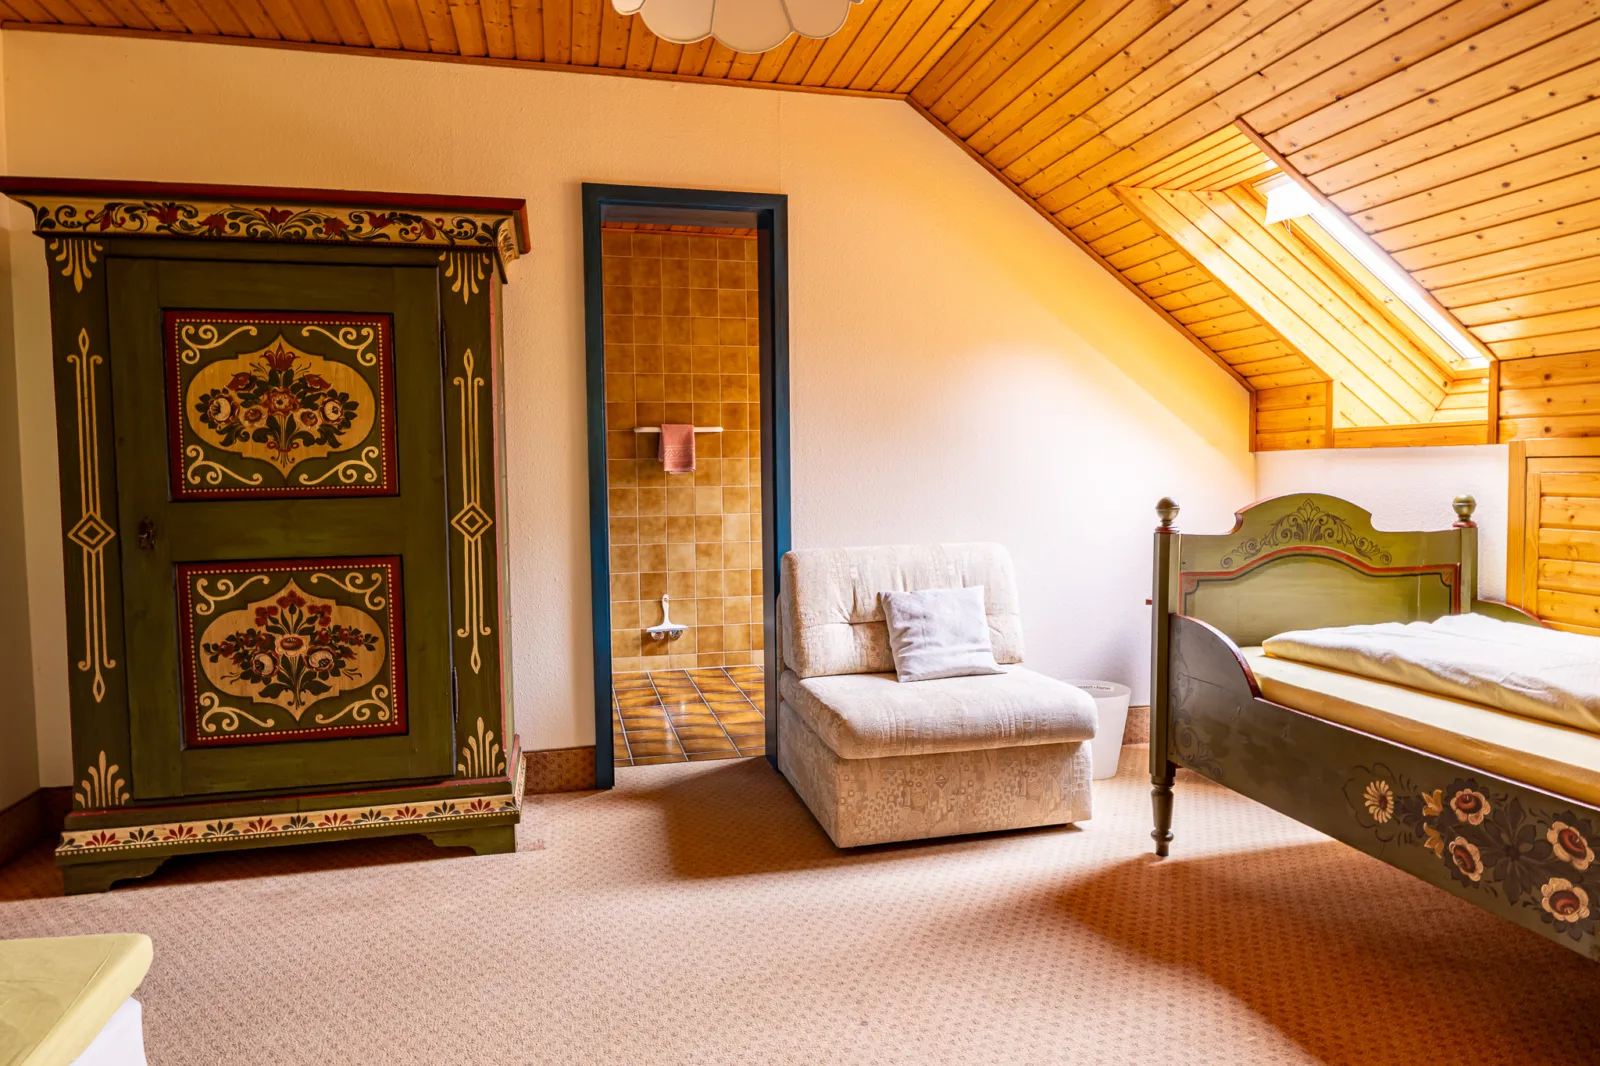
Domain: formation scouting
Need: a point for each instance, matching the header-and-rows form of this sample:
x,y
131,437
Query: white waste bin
x,y
1111,703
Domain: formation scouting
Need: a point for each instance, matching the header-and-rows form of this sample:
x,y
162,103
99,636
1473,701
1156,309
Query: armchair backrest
x,y
831,619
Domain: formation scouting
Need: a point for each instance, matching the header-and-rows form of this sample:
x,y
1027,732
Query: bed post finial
x,y
1464,506
1167,508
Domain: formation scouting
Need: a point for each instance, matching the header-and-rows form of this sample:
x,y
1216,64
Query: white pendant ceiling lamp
x,y
742,25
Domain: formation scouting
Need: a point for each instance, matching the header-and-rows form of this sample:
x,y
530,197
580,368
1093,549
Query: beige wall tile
x,y
681,346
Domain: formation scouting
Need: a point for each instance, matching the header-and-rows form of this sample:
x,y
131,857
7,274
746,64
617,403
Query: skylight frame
x,y
1288,201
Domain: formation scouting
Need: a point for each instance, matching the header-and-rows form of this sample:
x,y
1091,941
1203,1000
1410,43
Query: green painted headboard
x,y
1310,560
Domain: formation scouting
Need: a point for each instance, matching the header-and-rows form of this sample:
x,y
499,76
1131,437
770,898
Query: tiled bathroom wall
x,y
681,338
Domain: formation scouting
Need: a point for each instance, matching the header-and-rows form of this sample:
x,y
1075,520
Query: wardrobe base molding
x,y
101,848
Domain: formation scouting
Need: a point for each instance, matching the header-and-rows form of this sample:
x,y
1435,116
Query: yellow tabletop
x,y
57,993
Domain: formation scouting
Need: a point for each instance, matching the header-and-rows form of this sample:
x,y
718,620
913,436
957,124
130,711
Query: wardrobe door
x,y
281,489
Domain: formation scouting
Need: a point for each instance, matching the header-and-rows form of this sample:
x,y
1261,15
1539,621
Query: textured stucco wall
x,y
959,369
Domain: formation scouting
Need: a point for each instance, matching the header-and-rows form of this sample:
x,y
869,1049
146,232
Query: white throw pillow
x,y
939,633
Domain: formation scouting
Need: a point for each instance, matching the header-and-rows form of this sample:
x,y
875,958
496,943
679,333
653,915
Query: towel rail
x,y
697,429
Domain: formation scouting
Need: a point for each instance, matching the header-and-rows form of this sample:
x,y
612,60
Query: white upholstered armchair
x,y
879,760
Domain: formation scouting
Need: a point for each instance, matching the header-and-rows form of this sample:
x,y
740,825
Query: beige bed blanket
x,y
1528,670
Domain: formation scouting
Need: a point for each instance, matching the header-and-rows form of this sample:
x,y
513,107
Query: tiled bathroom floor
x,y
684,715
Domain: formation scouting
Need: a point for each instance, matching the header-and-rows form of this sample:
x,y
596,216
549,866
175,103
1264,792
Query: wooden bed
x,y
1308,561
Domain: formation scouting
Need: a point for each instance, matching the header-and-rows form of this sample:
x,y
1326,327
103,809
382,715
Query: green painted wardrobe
x,y
278,421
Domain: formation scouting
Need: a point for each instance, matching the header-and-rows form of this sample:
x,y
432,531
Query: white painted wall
x,y
959,370
1407,488
19,756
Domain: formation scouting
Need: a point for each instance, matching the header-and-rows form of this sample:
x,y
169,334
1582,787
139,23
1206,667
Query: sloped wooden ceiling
x,y
885,48
1463,136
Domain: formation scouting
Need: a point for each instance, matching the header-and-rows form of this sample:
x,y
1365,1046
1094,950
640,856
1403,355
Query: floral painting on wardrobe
x,y
291,650
268,404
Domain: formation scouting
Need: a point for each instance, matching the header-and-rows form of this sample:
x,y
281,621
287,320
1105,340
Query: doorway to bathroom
x,y
686,315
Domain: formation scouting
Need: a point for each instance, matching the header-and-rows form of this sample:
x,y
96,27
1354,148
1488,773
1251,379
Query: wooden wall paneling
x,y
126,11
693,59
800,58
1530,282
720,59
220,13
1237,79
885,15
585,30
379,20
318,20
1488,103
193,16
155,11
1565,191
413,31
615,31
348,24
1160,174
641,44
557,30
1430,435
914,16
1073,47
1550,397
742,67
1381,55
1467,400
1517,511
772,62
35,13
435,19
1473,160
899,80
1492,405
1292,417
466,17
1064,109
834,48
1532,304
969,49
1537,113
1421,79
1561,249
1054,28
667,55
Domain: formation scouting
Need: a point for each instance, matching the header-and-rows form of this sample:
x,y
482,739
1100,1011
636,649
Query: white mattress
x,y
1527,670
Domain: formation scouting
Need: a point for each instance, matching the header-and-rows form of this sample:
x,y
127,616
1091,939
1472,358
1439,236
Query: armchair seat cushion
x,y
870,716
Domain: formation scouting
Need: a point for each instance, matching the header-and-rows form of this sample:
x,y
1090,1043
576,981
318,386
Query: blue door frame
x,y
772,229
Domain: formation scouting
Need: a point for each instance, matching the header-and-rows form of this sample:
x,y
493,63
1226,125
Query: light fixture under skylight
x,y
1286,201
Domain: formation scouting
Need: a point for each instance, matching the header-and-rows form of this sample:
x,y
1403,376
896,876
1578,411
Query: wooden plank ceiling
x,y
1462,135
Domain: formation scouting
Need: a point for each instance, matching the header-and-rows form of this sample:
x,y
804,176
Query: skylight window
x,y
1287,201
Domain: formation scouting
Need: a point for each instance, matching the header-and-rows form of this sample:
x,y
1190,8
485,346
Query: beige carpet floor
x,y
697,915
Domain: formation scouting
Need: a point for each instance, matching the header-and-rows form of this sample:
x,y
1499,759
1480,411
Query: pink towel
x,y
677,448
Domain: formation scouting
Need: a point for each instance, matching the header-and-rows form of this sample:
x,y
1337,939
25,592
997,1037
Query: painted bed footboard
x,y
1516,851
